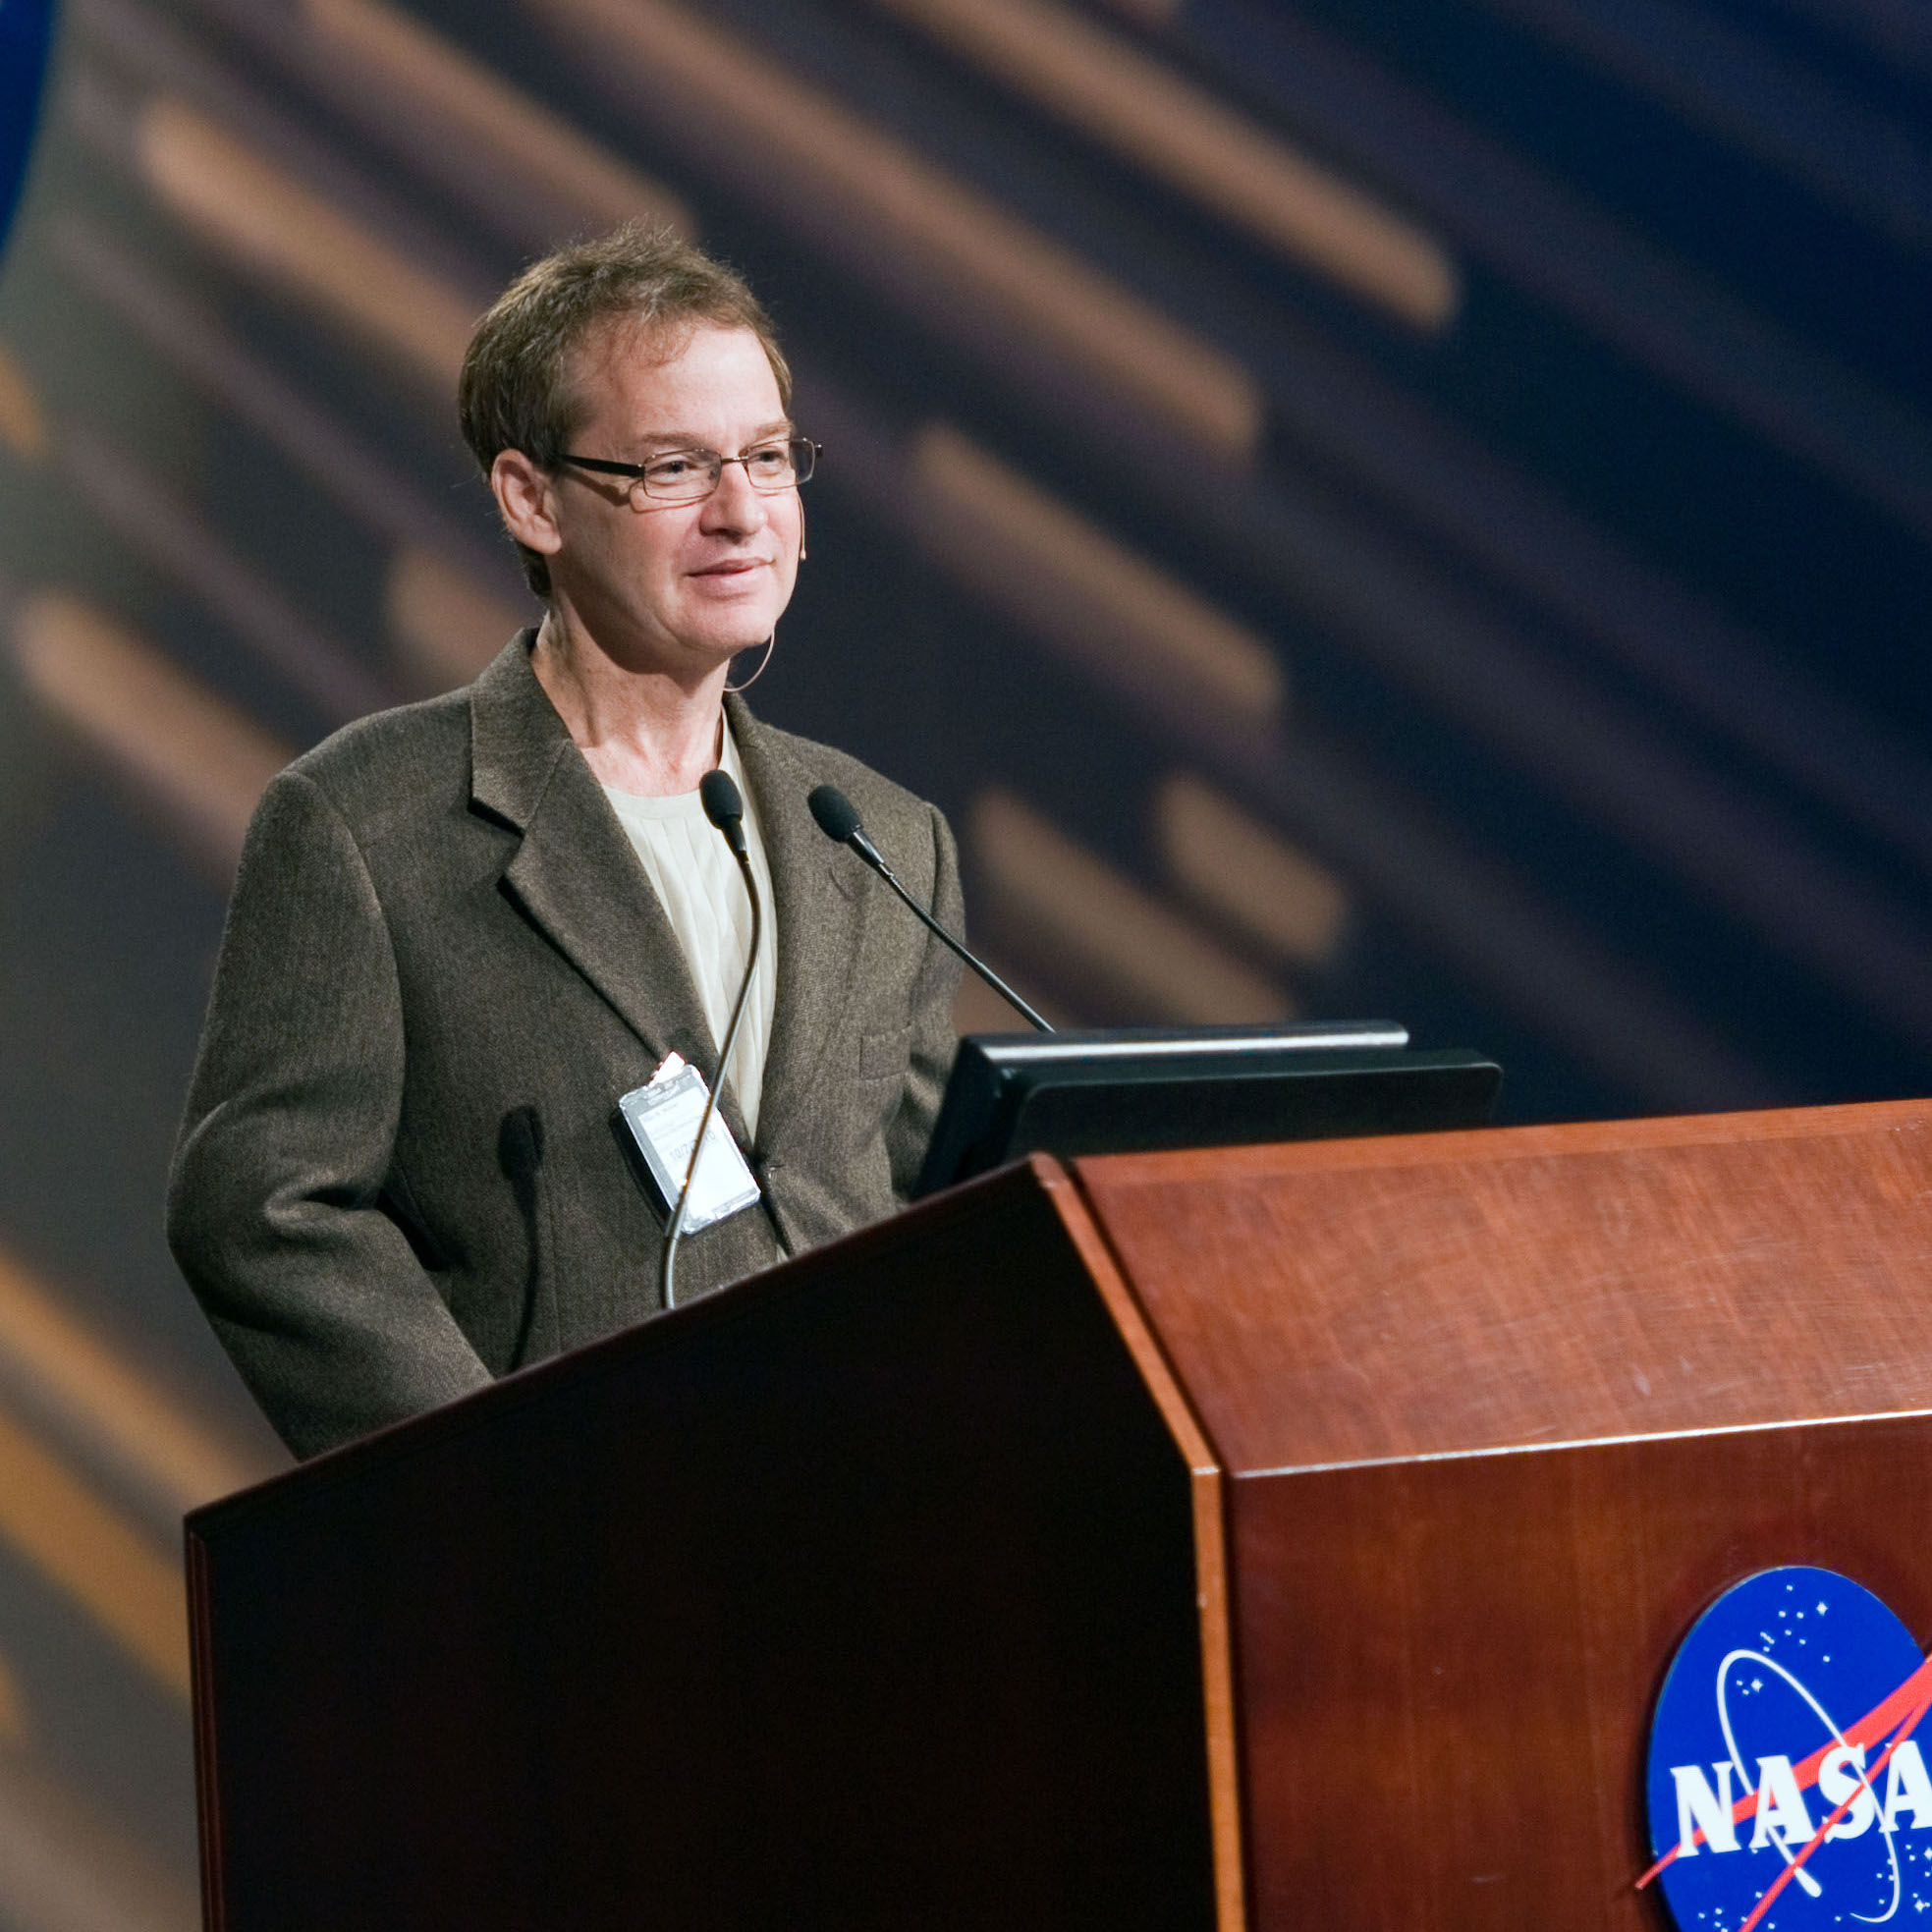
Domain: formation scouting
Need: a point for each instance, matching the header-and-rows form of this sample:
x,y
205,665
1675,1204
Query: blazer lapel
x,y
820,915
573,873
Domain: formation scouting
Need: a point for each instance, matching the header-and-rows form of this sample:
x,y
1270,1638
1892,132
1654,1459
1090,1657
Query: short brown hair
x,y
515,391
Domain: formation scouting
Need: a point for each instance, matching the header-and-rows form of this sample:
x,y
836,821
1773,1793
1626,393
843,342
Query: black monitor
x,y
1137,1090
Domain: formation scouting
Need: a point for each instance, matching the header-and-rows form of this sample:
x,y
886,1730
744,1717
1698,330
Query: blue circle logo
x,y
1788,1784
27,26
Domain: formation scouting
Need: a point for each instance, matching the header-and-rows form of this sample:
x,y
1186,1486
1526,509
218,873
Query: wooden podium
x,y
1273,1537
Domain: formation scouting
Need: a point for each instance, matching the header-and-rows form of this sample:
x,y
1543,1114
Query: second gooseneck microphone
x,y
725,808
838,819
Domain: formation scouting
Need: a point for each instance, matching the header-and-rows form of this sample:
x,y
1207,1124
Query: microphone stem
x,y
674,1233
932,925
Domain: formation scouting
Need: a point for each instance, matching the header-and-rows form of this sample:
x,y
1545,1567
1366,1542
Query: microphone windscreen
x,y
722,805
836,815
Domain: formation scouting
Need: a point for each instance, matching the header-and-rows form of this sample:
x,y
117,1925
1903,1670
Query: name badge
x,y
663,1118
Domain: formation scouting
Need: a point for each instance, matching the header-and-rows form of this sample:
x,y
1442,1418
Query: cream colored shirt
x,y
702,893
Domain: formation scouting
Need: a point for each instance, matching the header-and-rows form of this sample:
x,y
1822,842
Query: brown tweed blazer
x,y
400,1173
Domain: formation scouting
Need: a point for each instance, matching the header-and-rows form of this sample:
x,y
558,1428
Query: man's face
x,y
675,588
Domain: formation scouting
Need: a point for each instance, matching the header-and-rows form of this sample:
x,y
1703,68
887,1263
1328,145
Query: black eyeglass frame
x,y
804,462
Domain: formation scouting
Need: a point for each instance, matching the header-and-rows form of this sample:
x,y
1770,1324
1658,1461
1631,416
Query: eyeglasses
x,y
690,475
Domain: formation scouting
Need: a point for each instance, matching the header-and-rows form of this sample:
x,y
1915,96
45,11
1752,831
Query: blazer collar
x,y
516,737
576,877
573,871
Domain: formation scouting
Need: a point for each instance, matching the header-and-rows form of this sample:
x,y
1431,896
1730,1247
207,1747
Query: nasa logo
x,y
1787,1786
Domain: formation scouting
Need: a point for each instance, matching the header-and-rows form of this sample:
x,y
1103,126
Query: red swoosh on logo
x,y
1900,1712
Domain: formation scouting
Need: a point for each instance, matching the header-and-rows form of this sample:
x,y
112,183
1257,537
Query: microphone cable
x,y
725,808
838,818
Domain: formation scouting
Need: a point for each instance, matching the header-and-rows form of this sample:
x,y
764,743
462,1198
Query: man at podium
x,y
464,929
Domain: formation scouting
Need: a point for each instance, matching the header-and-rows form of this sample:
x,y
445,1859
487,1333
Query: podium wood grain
x,y
1267,1537
1497,1415
862,1595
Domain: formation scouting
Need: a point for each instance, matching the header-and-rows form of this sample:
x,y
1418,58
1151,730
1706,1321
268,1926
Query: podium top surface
x,y
1364,1300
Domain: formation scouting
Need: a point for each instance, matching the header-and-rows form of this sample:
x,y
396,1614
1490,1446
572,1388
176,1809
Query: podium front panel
x,y
860,1595
1449,1667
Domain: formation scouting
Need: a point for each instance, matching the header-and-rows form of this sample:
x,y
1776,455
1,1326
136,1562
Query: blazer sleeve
x,y
275,1208
934,1041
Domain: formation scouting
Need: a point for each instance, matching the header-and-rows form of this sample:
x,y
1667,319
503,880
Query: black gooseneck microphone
x,y
838,819
726,810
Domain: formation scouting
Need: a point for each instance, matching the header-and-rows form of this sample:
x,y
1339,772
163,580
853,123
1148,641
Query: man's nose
x,y
735,505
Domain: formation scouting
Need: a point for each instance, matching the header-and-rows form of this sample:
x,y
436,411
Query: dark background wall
x,y
1410,509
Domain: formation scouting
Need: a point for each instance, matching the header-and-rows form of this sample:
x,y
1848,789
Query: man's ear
x,y
523,495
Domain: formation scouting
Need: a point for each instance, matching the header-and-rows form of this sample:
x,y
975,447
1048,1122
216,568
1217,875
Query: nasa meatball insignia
x,y
1786,1783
